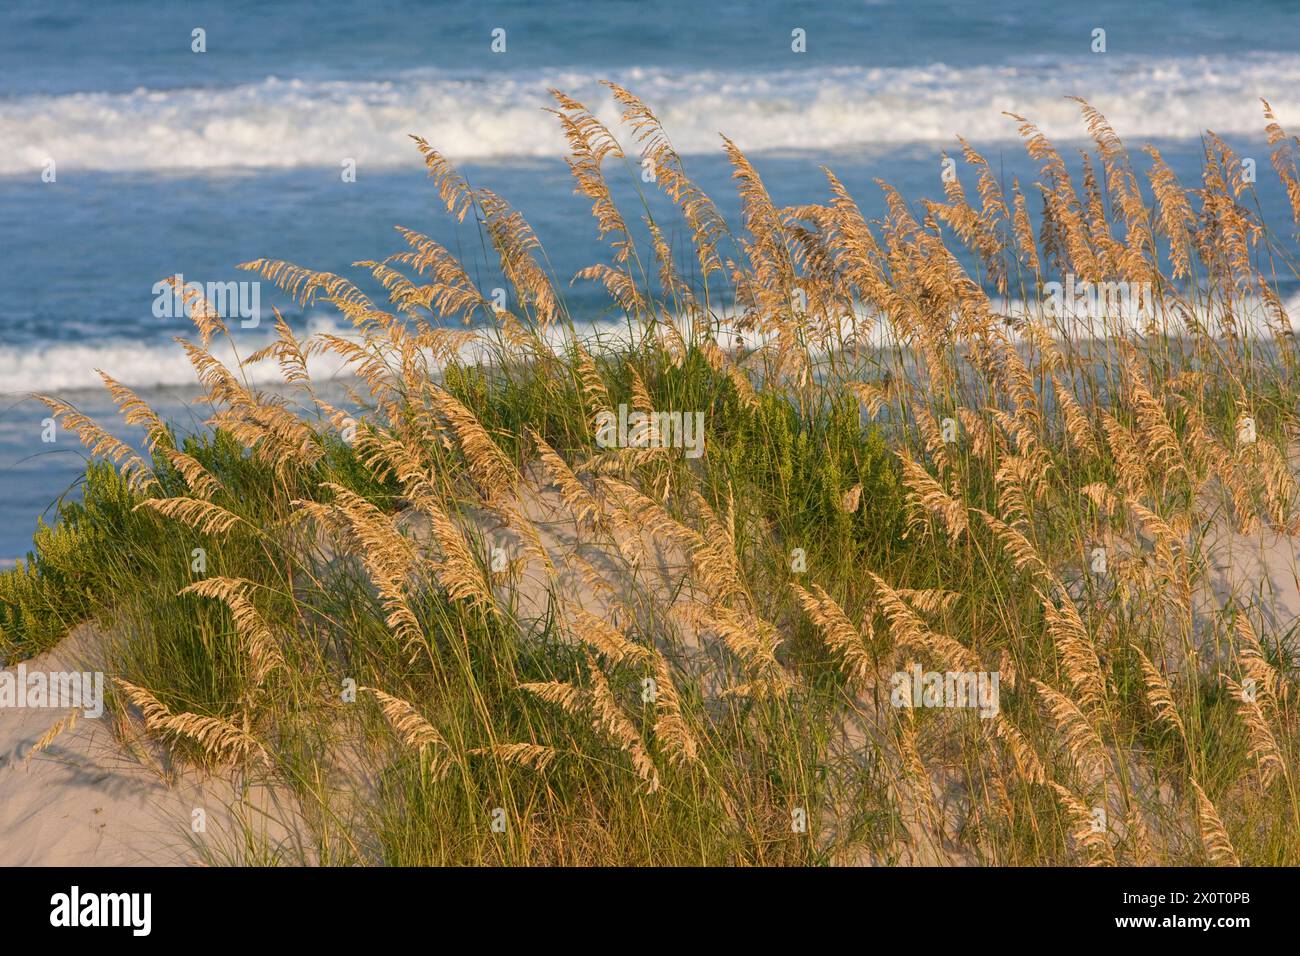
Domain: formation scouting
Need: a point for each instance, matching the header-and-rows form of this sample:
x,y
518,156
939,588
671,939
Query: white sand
x,y
86,801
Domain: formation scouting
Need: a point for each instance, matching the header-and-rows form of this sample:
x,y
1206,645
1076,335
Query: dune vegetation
x,y
450,624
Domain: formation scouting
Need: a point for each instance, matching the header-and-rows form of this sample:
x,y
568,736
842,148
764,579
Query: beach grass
x,y
456,624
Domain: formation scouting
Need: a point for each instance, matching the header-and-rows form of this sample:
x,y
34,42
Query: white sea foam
x,y
65,366
72,366
278,123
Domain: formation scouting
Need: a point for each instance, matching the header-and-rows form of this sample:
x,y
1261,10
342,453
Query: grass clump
x,y
454,625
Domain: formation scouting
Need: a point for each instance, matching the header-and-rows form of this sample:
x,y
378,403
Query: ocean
x,y
127,157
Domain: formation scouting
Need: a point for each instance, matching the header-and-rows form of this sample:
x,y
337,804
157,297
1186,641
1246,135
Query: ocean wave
x,y
70,367
286,123
73,366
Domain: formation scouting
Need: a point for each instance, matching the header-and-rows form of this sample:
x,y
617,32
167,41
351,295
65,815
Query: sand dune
x,y
88,799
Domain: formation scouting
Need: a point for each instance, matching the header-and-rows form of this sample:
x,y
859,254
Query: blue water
x,y
169,161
